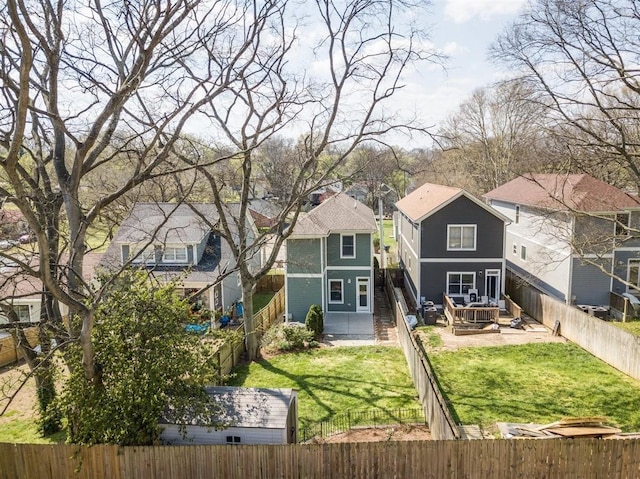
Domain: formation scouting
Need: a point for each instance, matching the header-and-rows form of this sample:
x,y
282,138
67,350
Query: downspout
x,y
570,282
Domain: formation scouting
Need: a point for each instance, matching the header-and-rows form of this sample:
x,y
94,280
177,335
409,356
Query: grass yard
x,y
631,326
537,383
331,381
260,300
387,226
26,431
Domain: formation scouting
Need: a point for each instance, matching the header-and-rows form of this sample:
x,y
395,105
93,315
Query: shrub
x,y
287,337
376,263
315,321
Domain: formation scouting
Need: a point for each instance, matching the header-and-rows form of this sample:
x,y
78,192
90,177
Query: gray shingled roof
x,y
169,222
338,213
250,407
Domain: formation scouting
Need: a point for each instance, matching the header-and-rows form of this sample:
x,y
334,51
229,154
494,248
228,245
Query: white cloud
x,y
461,11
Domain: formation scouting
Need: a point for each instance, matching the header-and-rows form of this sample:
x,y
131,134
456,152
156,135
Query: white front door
x,y
493,284
362,294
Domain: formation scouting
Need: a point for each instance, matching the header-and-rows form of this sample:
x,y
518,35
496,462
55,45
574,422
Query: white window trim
x,y
342,256
175,248
473,273
341,281
138,256
631,289
475,237
615,225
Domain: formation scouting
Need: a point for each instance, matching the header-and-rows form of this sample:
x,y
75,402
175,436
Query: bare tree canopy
x,y
582,58
361,51
495,134
89,89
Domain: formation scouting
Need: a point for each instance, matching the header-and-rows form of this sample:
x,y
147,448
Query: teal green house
x,y
330,259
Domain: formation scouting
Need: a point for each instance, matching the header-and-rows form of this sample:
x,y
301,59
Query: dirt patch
x,y
505,336
405,432
23,405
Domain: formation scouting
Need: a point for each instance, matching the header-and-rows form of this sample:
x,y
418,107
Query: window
x,y
174,255
347,246
517,214
23,311
233,440
633,274
148,255
335,291
461,237
515,248
622,224
523,253
460,283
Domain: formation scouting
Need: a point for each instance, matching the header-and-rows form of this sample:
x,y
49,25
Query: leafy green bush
x,y
288,337
315,320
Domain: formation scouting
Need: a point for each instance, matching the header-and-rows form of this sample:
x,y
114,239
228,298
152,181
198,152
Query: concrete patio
x,y
349,329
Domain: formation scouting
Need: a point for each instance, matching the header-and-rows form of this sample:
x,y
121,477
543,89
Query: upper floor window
x,y
461,237
517,214
523,253
147,255
622,224
174,255
347,246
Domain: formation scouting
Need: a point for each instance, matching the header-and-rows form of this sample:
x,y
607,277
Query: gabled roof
x,y
167,222
429,198
249,407
579,192
338,213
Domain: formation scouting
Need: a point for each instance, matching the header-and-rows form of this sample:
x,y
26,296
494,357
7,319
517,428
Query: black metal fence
x,y
369,417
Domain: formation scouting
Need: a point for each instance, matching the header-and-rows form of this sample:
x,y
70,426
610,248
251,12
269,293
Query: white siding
x,y
548,251
201,435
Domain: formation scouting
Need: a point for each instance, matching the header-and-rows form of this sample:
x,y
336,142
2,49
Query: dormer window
x,y
174,255
148,255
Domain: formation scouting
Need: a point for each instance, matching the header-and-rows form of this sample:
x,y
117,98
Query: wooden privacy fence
x,y
270,282
495,459
10,351
228,354
612,345
439,418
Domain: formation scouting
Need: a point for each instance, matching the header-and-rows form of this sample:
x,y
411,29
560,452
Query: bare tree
x,y
495,134
580,58
92,88
364,49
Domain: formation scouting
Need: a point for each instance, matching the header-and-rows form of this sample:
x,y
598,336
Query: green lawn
x,y
537,383
631,326
388,240
26,431
260,300
333,380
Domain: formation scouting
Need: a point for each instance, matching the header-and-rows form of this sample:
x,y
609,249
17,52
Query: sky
x,y
464,30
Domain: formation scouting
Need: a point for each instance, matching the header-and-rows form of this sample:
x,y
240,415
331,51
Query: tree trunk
x,y
250,333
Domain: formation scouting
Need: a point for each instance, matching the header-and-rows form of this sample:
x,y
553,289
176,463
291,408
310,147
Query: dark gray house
x,y
330,259
450,243
254,416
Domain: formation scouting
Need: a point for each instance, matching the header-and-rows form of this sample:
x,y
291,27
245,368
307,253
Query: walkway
x,y
385,329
